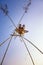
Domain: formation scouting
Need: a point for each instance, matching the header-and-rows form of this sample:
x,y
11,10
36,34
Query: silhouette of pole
x,y
21,18
26,9
5,11
28,51
33,45
11,21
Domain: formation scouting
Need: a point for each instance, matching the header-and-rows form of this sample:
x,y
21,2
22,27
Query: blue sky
x,y
33,20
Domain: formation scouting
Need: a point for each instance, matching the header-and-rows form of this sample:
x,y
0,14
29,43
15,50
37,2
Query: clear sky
x,y
33,20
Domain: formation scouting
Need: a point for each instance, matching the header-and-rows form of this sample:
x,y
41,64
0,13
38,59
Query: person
x,y
23,26
19,26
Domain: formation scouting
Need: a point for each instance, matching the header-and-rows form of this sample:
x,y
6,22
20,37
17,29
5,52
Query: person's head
x,y
19,25
23,26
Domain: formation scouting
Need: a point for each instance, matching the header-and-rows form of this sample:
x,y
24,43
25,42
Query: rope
x,y
6,51
34,45
28,51
4,41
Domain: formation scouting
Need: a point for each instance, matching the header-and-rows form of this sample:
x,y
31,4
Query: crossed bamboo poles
x,y
16,35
